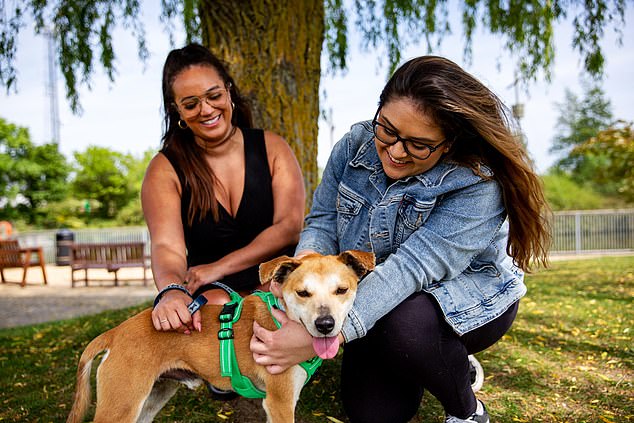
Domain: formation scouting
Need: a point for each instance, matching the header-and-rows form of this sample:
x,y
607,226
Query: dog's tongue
x,y
326,347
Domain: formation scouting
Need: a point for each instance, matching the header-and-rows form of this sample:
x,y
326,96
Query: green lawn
x,y
568,358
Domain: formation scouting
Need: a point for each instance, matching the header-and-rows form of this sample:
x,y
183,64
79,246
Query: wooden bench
x,y
109,256
12,255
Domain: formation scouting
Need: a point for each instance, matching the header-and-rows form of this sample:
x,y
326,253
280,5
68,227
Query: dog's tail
x,y
82,389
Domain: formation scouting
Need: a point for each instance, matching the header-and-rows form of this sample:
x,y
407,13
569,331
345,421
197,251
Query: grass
x,y
568,358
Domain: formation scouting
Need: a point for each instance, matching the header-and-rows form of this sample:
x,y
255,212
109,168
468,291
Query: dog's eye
x,y
303,294
341,291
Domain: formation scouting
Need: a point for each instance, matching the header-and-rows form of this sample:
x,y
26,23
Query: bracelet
x,y
170,287
195,305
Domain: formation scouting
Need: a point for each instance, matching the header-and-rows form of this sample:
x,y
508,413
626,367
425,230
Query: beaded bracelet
x,y
171,287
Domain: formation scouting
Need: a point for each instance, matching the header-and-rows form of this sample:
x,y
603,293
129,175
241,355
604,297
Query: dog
x,y
142,367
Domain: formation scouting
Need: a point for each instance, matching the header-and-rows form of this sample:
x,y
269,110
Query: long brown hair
x,y
180,142
483,134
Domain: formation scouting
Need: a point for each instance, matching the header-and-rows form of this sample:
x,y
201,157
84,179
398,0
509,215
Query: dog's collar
x,y
229,363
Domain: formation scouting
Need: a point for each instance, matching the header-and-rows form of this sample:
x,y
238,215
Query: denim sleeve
x,y
461,226
320,229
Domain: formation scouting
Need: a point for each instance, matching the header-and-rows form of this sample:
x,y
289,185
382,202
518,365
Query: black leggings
x,y
410,349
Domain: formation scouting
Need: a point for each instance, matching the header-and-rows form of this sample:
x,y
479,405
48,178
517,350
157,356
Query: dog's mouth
x,y
326,347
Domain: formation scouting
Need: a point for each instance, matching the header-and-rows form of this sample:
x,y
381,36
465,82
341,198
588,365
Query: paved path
x,y
37,303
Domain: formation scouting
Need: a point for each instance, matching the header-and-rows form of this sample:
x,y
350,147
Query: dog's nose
x,y
325,324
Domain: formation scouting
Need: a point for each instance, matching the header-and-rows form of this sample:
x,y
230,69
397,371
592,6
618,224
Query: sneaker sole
x,y
479,379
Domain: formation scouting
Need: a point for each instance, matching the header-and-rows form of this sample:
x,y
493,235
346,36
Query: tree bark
x,y
273,51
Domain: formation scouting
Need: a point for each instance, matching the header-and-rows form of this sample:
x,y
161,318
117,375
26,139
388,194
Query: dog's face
x,y
318,291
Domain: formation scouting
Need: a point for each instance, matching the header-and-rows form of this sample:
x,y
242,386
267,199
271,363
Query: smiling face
x,y
204,103
318,292
402,117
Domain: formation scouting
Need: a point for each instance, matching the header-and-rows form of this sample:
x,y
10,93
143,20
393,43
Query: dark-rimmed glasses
x,y
192,106
414,148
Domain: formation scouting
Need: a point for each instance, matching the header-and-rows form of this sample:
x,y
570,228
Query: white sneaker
x,y
476,373
480,416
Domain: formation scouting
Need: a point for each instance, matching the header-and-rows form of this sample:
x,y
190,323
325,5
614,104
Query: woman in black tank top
x,y
230,233
220,197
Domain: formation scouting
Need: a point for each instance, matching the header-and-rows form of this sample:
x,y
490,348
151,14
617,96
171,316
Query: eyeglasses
x,y
416,149
192,106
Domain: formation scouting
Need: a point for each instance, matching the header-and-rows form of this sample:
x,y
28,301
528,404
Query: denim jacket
x,y
443,232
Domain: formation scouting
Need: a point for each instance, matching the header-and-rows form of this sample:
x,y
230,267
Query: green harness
x,y
228,362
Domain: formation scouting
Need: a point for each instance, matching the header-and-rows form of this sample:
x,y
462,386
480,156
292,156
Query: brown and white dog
x,y
142,367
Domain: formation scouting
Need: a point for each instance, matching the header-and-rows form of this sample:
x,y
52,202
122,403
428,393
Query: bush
x,y
562,193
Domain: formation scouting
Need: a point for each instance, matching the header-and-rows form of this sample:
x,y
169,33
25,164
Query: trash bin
x,y
63,241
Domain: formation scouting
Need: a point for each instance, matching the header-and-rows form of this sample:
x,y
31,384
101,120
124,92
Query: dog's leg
x,y
119,400
161,393
282,393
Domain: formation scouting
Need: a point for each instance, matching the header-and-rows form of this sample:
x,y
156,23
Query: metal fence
x,y
574,232
593,231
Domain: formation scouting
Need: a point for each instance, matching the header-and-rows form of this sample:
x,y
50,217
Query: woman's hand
x,y
278,350
171,314
203,274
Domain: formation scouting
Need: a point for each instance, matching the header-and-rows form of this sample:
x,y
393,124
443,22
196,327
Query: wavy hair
x,y
482,133
180,143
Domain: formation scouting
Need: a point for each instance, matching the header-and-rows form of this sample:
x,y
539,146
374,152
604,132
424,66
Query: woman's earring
x,y
182,124
233,105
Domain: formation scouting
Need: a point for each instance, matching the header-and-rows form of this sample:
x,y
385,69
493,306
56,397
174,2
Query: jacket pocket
x,y
349,205
412,214
486,277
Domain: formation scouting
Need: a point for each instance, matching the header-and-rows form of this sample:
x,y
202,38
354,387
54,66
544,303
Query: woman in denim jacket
x,y
441,189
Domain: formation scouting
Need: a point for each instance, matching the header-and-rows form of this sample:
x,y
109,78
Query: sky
x,y
126,115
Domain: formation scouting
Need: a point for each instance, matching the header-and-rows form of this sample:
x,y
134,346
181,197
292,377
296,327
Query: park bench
x,y
109,256
12,255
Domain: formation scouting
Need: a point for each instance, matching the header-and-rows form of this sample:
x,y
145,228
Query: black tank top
x,y
208,241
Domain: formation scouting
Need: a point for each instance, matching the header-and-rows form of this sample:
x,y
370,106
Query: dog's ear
x,y
361,262
277,269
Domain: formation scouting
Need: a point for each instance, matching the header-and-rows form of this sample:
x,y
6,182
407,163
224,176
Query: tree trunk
x,y
273,50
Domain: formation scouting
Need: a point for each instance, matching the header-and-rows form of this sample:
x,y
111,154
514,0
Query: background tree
x,y
614,148
593,149
579,120
31,176
102,175
131,213
274,47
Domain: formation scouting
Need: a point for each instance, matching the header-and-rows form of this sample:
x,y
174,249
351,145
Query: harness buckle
x,y
227,312
225,333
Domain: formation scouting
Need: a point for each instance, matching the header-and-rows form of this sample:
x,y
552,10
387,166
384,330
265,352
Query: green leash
x,y
229,363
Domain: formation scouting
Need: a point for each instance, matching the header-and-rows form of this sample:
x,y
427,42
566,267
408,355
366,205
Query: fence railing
x,y
593,231
574,232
